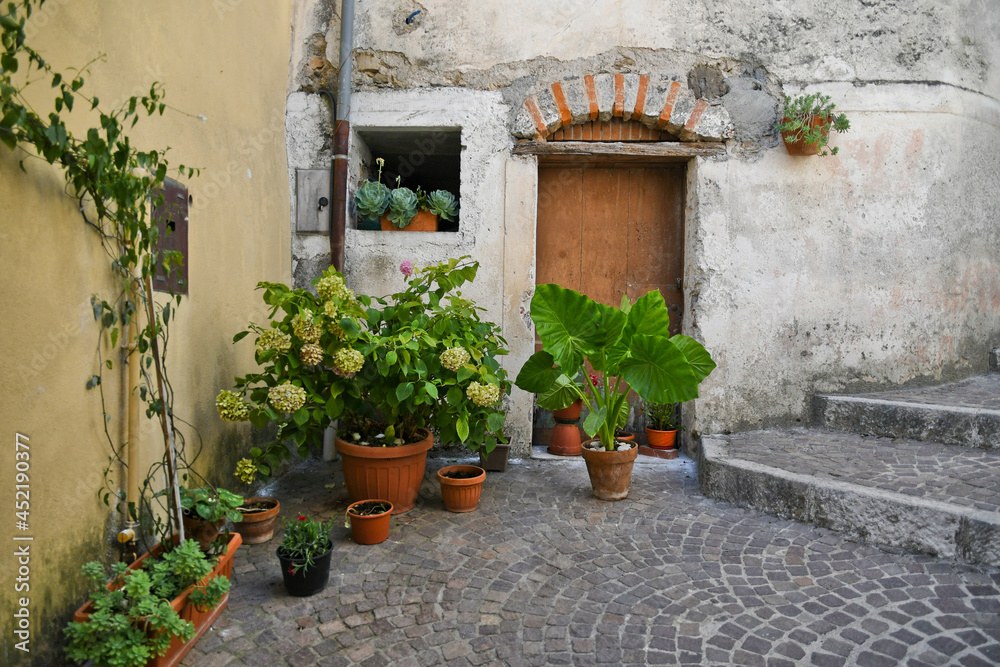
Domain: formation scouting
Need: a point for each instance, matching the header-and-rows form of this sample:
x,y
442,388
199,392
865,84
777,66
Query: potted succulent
x,y
153,611
661,432
807,122
369,521
304,555
205,511
631,347
402,208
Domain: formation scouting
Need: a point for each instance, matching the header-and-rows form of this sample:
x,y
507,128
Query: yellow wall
x,y
227,61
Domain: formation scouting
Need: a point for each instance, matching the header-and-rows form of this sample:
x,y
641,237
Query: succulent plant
x,y
371,200
402,207
442,204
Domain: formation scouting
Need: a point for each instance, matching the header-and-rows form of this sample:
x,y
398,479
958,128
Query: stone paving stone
x,y
958,475
543,573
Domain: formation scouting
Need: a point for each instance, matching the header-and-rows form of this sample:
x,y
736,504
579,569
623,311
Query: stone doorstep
x,y
652,457
873,516
947,424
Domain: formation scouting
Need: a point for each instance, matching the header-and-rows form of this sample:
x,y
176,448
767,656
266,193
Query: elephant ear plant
x,y
630,347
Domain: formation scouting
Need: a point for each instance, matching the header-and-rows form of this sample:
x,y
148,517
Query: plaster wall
x,y
867,269
52,263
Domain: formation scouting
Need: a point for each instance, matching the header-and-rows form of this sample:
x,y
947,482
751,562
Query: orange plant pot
x,y
661,439
390,473
258,527
369,528
423,221
800,147
202,620
461,495
610,472
566,436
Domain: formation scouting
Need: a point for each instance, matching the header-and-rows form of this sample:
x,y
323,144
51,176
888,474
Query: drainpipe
x,y
341,136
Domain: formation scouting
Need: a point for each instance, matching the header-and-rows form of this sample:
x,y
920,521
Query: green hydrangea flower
x,y
330,309
272,339
483,394
311,354
287,397
246,471
332,288
454,358
347,361
305,328
231,406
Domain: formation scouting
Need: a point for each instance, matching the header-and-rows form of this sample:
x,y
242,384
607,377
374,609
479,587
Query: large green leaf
x,y
659,372
648,316
594,421
699,358
572,325
561,394
538,373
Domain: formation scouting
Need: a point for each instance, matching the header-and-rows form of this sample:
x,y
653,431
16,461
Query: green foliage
x,y
630,344
211,504
134,621
442,204
662,416
810,118
403,205
305,538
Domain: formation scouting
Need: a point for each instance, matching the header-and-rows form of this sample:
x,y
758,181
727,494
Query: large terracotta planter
x,y
423,221
566,433
461,495
369,528
202,620
610,472
258,527
661,439
390,473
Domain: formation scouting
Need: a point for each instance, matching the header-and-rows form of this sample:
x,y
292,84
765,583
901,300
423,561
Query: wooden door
x,y
609,231
606,231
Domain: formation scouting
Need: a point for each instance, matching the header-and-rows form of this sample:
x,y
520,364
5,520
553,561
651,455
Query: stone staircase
x,y
911,469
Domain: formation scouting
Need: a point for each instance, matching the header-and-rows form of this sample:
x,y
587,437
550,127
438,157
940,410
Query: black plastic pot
x,y
307,581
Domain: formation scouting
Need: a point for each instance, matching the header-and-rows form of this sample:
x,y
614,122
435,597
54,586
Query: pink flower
x,y
291,570
301,518
593,380
407,268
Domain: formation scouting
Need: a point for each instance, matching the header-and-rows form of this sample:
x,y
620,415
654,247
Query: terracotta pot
x,y
369,528
461,495
610,472
258,527
661,439
202,620
205,532
495,461
800,147
624,436
305,582
566,433
423,221
392,473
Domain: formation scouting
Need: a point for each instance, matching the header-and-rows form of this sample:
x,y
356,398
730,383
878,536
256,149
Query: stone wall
x,y
868,269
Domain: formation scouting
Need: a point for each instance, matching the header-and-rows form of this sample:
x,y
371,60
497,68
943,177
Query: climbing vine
x,y
115,185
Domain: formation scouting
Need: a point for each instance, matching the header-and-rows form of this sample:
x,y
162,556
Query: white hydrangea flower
x,y
454,358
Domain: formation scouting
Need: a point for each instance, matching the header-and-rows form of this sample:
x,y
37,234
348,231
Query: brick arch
x,y
658,102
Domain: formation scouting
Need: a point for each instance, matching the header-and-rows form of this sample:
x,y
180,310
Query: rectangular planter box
x,y
202,620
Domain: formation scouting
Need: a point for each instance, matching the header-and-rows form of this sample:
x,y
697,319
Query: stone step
x,y
963,413
919,496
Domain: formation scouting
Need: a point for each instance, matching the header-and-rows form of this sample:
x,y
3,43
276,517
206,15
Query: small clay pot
x,y
495,461
369,528
423,221
258,527
461,495
661,439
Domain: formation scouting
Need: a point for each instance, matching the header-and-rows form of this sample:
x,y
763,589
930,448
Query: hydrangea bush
x,y
386,367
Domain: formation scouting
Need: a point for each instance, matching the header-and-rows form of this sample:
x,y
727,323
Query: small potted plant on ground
x,y
461,487
260,516
205,512
304,555
369,521
807,123
661,432
631,347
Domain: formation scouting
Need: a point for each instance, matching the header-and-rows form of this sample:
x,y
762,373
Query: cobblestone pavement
x,y
980,392
543,573
958,475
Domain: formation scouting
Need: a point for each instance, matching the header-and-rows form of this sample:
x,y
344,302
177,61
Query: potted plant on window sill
x,y
807,122
631,348
402,208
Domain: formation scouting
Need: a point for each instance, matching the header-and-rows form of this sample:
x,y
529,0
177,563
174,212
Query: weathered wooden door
x,y
609,231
